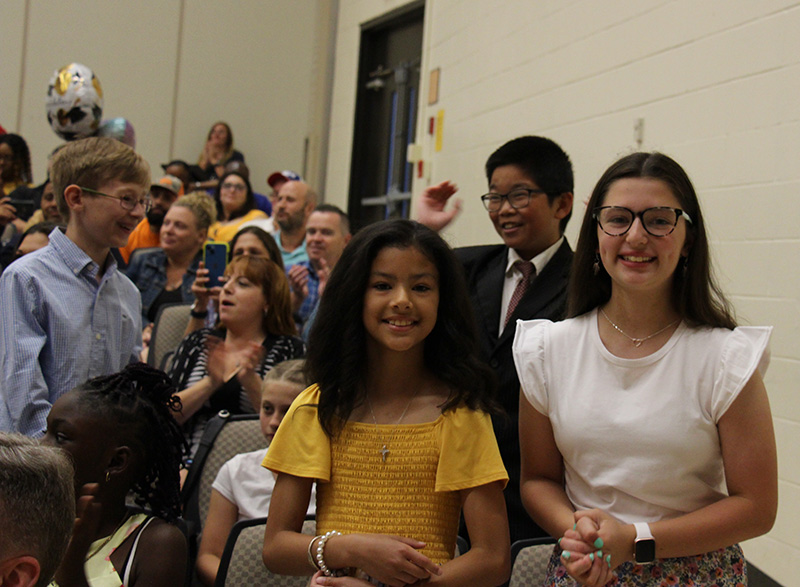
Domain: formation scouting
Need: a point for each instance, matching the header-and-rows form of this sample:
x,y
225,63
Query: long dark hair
x,y
22,156
141,401
249,203
337,343
695,293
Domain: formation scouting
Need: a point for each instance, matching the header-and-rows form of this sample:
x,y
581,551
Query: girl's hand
x,y
89,514
320,580
606,533
394,560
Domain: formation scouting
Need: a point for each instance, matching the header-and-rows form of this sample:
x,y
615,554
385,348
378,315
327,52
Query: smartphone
x,y
24,208
215,258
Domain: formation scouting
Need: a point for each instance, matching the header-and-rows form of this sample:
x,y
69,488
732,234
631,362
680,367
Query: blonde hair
x,y
92,162
202,206
287,372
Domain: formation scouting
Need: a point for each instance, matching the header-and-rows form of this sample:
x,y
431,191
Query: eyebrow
x,y
393,276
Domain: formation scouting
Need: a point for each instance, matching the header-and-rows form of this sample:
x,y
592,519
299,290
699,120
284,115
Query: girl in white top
x,y
645,427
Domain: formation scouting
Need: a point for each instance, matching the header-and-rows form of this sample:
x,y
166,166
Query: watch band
x,y
643,531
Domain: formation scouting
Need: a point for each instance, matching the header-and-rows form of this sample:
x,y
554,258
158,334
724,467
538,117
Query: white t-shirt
x,y
638,437
248,485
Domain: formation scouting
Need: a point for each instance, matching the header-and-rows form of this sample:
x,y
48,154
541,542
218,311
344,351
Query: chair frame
x,y
230,545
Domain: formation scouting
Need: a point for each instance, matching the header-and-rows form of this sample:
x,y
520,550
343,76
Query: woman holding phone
x,y
222,368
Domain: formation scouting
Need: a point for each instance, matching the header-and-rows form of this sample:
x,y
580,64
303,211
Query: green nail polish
x,y
559,540
575,525
600,554
608,560
598,543
565,554
591,557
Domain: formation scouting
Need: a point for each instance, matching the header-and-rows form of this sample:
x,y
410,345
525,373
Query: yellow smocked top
x,y
414,493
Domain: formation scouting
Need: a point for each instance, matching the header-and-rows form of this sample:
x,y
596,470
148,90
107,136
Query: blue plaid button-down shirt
x,y
59,327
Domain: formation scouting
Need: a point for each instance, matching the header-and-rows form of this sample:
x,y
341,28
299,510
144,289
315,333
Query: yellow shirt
x,y
414,493
224,232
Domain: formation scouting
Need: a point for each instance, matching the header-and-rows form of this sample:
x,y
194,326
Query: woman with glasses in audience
x,y
235,206
645,429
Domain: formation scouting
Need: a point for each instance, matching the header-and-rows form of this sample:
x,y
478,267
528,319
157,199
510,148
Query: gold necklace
x,y
384,450
637,342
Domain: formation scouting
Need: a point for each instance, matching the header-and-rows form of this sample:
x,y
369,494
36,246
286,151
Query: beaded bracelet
x,y
311,560
321,560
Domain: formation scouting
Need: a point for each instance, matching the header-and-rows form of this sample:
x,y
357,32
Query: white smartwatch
x,y
644,546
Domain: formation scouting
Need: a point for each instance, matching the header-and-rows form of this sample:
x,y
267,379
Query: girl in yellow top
x,y
396,431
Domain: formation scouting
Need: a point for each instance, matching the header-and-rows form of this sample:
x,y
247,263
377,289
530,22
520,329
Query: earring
x,y
108,476
596,264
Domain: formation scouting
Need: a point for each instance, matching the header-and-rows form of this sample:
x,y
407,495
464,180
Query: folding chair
x,y
224,437
241,564
168,329
529,559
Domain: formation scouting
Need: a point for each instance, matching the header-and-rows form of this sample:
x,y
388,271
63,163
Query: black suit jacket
x,y
546,298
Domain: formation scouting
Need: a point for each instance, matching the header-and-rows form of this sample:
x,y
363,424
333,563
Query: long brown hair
x,y
695,293
272,280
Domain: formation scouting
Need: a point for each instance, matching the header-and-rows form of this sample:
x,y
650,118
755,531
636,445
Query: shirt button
x,y
97,336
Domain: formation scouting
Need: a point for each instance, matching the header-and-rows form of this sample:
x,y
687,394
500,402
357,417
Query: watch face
x,y
645,551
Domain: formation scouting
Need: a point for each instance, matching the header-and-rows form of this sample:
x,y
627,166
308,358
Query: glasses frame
x,y
486,197
640,215
146,202
233,186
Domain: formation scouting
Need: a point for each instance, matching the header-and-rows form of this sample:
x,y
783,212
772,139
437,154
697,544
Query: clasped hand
x,y
225,363
595,546
392,560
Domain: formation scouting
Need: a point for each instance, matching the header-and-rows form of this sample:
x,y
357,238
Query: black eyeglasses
x,y
128,203
517,198
660,221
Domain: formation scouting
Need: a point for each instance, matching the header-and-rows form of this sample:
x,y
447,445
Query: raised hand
x,y
432,208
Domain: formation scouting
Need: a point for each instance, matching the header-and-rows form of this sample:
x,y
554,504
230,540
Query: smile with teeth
x,y
398,322
636,259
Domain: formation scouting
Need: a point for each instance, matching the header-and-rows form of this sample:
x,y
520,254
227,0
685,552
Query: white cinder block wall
x,y
716,84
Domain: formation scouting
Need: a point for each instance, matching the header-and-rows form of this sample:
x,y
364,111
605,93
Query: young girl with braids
x,y
396,432
122,437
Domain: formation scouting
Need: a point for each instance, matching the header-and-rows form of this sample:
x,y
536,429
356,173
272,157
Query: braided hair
x,y
140,400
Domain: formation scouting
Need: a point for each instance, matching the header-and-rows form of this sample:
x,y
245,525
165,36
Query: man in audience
x,y
163,193
296,200
37,508
327,233
66,313
277,179
529,203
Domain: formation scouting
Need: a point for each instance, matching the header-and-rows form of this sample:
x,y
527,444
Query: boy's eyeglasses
x,y
518,198
617,220
127,202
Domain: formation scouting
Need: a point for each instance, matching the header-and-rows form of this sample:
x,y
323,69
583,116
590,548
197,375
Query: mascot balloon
x,y
75,107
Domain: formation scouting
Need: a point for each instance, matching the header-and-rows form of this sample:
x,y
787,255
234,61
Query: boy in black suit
x,y
529,202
